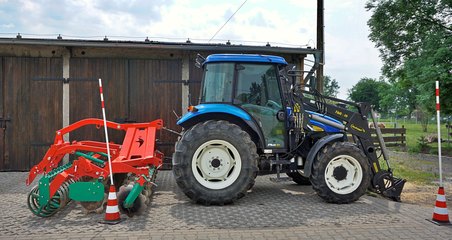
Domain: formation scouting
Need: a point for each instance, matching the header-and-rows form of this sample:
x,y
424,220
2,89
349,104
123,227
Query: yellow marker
x,y
317,129
357,128
297,108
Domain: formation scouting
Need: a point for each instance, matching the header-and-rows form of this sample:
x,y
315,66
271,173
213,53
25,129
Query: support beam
x,y
320,43
185,87
66,100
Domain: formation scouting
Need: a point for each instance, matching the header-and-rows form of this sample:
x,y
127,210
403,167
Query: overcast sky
x,y
291,23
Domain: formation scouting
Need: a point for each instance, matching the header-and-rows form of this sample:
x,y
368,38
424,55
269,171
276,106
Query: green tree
x,y
330,86
415,42
397,98
368,90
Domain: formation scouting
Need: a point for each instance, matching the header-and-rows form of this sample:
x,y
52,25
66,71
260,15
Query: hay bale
x,y
380,125
432,138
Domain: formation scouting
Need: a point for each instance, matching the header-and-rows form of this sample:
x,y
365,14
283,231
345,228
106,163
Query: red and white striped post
x,y
440,212
438,120
105,129
112,211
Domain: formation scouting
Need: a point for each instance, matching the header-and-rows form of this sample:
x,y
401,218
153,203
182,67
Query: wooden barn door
x,y
85,100
155,91
3,120
32,89
140,90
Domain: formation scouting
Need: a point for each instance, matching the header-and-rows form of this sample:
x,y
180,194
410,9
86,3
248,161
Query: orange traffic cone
x,y
112,212
440,213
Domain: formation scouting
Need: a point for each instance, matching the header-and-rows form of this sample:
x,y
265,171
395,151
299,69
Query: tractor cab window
x,y
257,91
217,86
257,84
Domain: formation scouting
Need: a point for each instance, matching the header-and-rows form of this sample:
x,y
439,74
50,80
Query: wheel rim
x,y
216,164
343,174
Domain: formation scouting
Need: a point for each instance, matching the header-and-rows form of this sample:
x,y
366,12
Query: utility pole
x,y
320,43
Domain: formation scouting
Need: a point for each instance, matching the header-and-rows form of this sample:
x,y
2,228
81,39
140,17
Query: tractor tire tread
x,y
318,172
187,145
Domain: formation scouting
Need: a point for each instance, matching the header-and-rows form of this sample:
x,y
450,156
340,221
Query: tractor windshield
x,y
217,85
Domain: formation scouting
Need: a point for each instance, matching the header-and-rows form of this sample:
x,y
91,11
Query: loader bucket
x,y
394,191
388,185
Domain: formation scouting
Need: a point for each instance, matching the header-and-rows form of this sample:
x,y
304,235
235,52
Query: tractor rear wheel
x,y
340,173
215,162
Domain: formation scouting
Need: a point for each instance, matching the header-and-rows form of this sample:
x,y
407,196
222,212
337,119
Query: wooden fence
x,y
392,136
449,133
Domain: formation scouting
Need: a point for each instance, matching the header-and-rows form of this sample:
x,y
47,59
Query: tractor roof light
x,y
192,109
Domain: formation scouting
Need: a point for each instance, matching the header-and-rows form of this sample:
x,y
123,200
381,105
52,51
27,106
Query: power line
x,y
227,20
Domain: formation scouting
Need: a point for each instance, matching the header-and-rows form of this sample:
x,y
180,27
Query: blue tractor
x,y
257,116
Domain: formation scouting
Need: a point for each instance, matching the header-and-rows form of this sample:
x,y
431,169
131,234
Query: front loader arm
x,y
356,124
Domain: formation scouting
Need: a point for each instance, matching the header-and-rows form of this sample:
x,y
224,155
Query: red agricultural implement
x,y
84,179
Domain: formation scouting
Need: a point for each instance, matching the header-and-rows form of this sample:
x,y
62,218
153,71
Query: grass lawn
x,y
414,132
412,166
414,170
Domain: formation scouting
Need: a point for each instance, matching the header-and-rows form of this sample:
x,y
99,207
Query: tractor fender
x,y
230,113
316,148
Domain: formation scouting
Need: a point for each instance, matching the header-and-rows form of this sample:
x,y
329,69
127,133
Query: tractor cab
x,y
249,85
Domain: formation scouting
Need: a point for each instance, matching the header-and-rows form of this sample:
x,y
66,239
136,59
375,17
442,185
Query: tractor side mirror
x,y
199,60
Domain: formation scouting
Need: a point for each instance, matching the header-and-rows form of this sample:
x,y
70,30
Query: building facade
x,y
47,84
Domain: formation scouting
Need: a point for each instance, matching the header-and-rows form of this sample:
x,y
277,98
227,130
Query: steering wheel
x,y
272,104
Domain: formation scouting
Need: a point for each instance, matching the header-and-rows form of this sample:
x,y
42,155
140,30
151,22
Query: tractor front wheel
x,y
340,173
215,162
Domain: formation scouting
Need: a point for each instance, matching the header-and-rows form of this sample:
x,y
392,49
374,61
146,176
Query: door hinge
x,y
3,122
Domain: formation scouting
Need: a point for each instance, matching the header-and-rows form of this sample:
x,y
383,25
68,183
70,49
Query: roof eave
x,y
157,45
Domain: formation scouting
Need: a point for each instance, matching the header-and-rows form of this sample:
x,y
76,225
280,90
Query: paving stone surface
x,y
271,210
